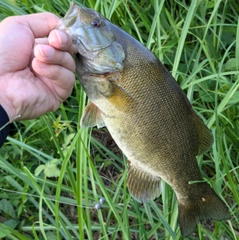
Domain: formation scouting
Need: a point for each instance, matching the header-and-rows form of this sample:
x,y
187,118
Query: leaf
x,y
51,169
12,223
232,64
69,138
39,169
234,99
7,208
51,236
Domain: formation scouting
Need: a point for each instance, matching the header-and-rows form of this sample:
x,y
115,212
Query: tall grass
x,y
53,172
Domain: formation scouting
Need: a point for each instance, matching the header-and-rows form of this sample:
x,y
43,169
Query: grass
x,y
53,172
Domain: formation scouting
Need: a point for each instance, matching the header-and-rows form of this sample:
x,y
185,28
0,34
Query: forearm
x,y
4,129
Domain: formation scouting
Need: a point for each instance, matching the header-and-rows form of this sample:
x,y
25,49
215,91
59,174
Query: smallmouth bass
x,y
147,114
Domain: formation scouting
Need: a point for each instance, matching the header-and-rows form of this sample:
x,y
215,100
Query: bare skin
x,y
37,72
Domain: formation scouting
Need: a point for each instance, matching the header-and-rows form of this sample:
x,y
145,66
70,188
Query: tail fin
x,y
208,207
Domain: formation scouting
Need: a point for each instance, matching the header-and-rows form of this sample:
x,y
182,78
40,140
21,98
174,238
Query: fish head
x,y
86,26
99,51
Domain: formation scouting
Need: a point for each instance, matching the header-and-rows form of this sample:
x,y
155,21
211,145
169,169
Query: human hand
x,y
36,73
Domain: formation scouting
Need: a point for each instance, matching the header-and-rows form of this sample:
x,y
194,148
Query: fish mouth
x,y
97,63
100,75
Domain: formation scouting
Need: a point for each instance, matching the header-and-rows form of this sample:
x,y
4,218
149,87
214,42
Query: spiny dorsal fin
x,y
142,186
205,136
91,117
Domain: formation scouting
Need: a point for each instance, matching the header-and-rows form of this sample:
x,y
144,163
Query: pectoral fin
x,y
92,117
111,88
142,186
118,96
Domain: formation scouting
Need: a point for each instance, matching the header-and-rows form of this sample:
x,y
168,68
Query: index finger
x,y
40,23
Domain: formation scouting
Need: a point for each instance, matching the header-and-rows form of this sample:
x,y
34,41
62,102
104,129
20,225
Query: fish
x,y
146,112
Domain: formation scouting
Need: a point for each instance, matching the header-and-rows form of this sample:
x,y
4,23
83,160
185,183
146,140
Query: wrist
x,y
9,110
4,126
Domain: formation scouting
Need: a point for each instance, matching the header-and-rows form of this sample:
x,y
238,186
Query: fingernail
x,y
61,37
46,50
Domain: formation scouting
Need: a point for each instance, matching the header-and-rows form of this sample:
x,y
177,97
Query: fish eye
x,y
96,23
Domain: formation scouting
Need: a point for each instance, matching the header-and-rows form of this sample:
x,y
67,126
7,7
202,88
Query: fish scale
x,y
147,114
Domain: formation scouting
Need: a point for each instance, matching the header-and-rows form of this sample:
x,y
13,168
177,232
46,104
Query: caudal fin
x,y
208,207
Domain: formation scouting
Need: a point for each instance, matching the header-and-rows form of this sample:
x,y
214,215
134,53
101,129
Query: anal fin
x,y
92,117
142,185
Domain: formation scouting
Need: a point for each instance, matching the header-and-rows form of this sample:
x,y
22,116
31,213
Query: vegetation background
x,y
53,172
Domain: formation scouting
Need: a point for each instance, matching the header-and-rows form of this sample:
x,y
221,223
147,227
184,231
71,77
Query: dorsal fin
x,y
91,117
142,186
204,134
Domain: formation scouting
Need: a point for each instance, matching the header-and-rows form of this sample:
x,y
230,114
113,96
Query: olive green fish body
x,y
144,104
147,114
